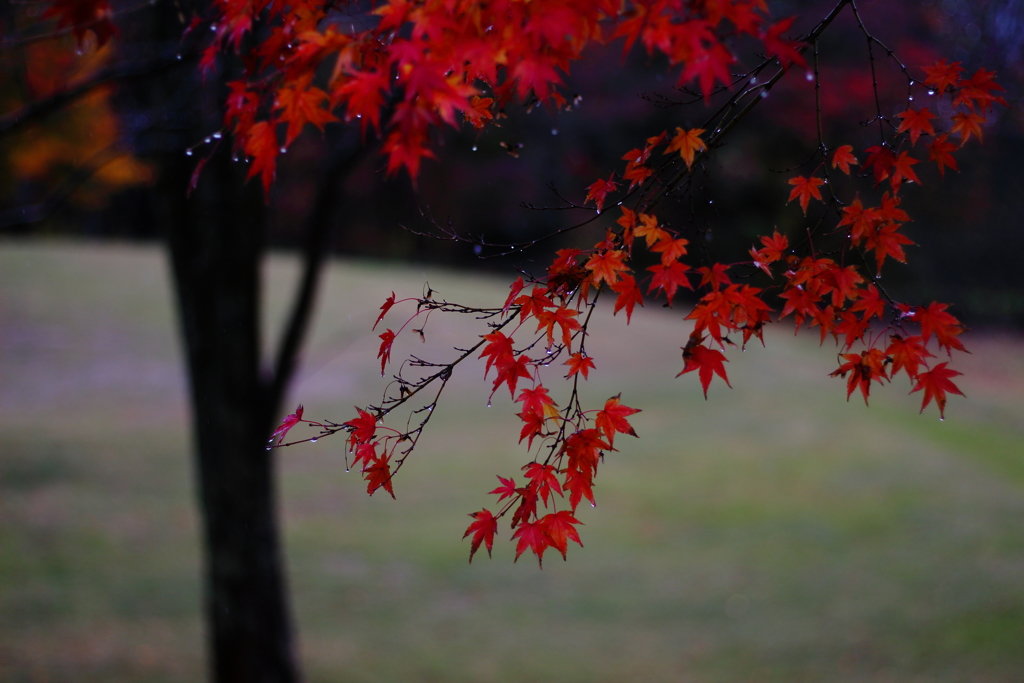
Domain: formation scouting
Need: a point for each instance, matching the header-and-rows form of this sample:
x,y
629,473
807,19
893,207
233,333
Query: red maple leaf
x,y
533,303
708,65
917,121
498,350
870,303
977,90
560,530
935,320
774,247
786,51
939,151
511,372
669,279
861,221
716,276
286,424
387,339
483,529
901,170
649,230
805,189
670,249
261,145
942,74
612,419
935,384
385,307
862,368
507,489
887,242
543,480
629,296
532,535
378,474
362,428
362,93
880,160
708,362
598,191
907,353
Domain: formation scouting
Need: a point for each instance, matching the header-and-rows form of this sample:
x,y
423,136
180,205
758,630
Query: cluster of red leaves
x,y
836,297
570,441
815,290
441,62
430,63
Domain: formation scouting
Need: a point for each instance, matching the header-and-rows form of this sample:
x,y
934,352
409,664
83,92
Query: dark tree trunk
x,y
216,240
216,243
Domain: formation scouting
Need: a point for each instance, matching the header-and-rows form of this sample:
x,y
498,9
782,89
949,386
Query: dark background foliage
x,y
965,226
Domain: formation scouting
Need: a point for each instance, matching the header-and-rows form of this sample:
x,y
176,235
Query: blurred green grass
x,y
771,533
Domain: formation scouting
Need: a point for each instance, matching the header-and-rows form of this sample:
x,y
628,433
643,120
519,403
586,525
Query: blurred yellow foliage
x,y
82,138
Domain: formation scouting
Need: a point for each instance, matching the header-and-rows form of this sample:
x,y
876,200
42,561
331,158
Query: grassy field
x,y
772,533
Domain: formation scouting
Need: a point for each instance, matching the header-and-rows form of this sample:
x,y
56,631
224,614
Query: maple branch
x,y
723,130
314,255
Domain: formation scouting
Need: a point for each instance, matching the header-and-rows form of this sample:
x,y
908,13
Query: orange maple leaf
x,y
966,124
649,230
299,104
563,317
606,266
843,158
578,363
687,143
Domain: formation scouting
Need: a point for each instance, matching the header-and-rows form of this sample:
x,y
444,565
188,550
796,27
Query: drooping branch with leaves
x,y
403,69
400,73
